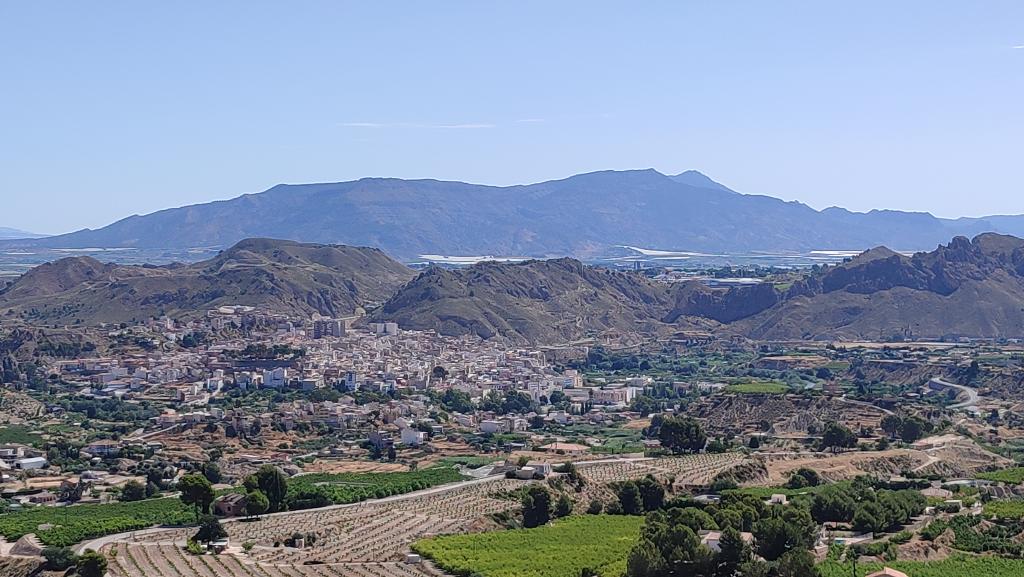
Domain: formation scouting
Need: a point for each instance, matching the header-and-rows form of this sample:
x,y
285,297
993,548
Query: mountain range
x,y
971,288
583,216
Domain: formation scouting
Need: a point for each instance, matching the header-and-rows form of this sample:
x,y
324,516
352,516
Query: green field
x,y
354,487
768,388
1005,509
565,548
1013,476
952,567
79,522
19,434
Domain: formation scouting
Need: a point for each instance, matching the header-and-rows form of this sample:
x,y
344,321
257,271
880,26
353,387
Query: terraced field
x,y
368,539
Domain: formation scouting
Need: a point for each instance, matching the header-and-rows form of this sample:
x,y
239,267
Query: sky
x,y
109,109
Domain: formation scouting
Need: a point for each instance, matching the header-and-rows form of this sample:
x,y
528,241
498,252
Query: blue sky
x,y
115,108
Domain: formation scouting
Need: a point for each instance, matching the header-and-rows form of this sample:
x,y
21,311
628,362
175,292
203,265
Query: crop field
x,y
597,542
952,567
371,538
69,525
344,488
1013,509
758,388
1012,476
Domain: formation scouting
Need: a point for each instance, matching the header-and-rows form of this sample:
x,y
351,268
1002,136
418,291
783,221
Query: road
x,y
971,404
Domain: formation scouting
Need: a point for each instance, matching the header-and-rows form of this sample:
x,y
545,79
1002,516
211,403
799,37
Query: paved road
x,y
972,395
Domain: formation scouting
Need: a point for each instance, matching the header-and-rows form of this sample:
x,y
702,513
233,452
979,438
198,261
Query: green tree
x,y
91,564
681,434
797,563
780,532
652,494
837,436
59,558
629,498
733,553
536,506
212,472
197,491
210,529
256,503
273,483
133,491
563,508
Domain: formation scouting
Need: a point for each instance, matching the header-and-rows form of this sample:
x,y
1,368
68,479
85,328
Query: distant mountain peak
x,y
700,180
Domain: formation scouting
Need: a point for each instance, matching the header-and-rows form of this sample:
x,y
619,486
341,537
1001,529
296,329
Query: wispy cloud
x,y
530,120
1019,47
453,126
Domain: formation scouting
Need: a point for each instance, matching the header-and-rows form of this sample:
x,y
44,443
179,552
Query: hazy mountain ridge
x,y
582,216
282,276
14,233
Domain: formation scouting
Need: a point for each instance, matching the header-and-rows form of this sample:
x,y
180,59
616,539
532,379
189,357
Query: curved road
x,y
972,395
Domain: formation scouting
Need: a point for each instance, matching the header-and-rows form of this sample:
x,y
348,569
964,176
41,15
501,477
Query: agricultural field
x,y
69,525
371,538
599,543
1013,509
342,488
19,434
953,567
758,388
1012,476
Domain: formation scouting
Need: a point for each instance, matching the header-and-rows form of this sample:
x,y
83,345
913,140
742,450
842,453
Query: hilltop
x,y
537,301
582,216
283,276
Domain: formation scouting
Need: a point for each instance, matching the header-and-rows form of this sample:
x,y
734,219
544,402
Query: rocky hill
x,y
538,301
969,288
282,276
965,288
583,216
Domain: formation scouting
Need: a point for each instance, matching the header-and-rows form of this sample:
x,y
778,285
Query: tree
x,y
438,373
779,533
681,434
652,494
273,483
892,424
91,564
256,503
913,428
392,454
457,401
595,507
536,507
733,553
133,491
563,508
629,498
197,491
212,472
797,563
837,436
210,529
59,558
